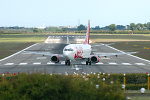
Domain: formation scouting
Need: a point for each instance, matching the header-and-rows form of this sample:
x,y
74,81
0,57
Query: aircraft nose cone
x,y
66,54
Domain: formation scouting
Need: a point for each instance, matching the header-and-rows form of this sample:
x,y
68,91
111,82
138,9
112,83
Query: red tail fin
x,y
87,34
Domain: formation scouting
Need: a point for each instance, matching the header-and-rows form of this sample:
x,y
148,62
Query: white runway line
x,y
83,62
37,63
139,64
23,63
104,58
52,40
67,39
46,41
41,58
18,52
99,63
9,63
50,63
63,62
126,64
112,63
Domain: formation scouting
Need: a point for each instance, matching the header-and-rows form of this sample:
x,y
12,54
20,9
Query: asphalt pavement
x,y
31,63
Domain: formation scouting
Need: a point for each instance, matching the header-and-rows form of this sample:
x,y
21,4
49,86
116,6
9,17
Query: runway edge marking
x,y
18,52
128,54
46,41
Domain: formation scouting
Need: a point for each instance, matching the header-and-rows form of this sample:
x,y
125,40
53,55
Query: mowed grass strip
x,y
10,44
118,38
22,38
142,46
13,47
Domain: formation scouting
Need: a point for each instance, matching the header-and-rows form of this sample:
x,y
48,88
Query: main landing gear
x,y
88,62
67,62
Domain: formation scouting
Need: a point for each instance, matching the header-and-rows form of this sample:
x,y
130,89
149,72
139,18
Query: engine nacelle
x,y
55,58
95,59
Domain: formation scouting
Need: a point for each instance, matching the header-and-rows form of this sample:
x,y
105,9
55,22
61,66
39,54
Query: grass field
x,y
140,98
127,43
10,44
118,38
142,47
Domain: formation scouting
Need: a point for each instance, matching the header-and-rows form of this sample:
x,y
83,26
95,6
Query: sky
x,y
32,13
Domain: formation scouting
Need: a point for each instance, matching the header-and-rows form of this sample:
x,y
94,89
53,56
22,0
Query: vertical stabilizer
x,y
87,34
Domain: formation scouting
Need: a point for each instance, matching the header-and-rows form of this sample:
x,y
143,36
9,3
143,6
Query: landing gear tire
x,y
67,62
88,62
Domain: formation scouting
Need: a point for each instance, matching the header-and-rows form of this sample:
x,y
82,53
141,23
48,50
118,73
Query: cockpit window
x,y
68,49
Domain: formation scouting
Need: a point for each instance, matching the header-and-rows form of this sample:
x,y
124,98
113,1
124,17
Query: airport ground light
x,y
96,78
130,86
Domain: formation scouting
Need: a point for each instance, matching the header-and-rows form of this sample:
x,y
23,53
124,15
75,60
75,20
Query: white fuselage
x,y
76,51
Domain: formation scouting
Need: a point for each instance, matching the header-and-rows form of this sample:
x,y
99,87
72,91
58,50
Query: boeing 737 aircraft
x,y
73,52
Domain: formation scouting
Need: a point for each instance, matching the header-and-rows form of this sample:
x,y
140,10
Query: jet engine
x,y
95,59
55,58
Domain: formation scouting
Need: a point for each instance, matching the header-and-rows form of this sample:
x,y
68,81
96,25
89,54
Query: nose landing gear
x,y
67,62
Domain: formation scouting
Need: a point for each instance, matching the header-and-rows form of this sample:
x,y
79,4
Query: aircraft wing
x,y
95,45
43,53
107,54
114,54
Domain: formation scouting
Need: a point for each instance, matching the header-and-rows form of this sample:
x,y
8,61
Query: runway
x,y
25,62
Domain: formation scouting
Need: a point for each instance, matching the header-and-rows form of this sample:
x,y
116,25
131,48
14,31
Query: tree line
x,y
58,87
111,27
46,86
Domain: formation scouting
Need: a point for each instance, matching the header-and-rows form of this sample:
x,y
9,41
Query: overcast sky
x,y
32,13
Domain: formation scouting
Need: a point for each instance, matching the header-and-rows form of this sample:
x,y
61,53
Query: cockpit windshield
x,y
68,49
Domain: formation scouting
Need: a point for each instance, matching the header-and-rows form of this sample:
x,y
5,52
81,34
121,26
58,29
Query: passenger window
x,y
68,49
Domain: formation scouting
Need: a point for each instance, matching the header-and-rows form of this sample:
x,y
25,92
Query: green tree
x,y
148,25
112,27
64,29
81,27
35,30
132,26
97,28
139,26
145,26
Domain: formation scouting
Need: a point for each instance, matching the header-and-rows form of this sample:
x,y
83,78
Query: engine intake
x,y
95,59
55,58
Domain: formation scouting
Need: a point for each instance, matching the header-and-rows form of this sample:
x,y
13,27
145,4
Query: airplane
x,y
74,52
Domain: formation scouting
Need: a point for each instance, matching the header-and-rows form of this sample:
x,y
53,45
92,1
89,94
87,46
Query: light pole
x,y
148,81
103,82
124,81
3,77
